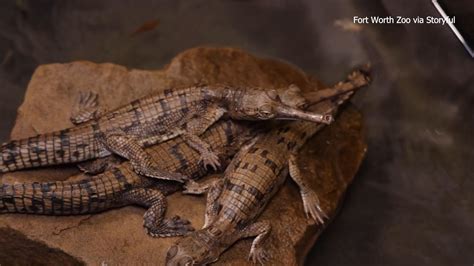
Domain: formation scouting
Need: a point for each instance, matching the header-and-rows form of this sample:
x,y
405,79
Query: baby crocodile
x,y
253,177
186,112
122,186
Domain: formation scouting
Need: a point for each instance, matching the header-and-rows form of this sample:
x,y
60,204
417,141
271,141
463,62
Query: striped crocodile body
x,y
150,120
122,186
255,174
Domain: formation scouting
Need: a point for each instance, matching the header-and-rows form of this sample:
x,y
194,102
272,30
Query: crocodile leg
x,y
99,165
212,206
140,160
195,188
311,202
87,108
153,220
195,127
213,187
262,230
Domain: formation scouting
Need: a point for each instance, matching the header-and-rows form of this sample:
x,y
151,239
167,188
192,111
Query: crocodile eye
x,y
265,110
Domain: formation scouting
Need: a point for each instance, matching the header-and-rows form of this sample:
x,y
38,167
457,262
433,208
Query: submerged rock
x,y
330,160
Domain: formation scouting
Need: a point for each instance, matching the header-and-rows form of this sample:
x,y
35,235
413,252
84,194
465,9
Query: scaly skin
x,y
150,120
253,177
122,186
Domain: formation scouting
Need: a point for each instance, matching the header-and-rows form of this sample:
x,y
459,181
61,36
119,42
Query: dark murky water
x,y
412,202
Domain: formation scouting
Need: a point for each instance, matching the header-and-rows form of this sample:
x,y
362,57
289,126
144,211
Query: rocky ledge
x,y
331,160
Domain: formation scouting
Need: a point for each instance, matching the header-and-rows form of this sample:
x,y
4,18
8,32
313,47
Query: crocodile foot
x,y
258,255
193,187
86,108
169,228
99,165
209,158
312,207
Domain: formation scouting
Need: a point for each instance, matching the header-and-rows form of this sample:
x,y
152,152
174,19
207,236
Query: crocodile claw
x,y
258,256
210,159
87,107
312,207
192,187
175,226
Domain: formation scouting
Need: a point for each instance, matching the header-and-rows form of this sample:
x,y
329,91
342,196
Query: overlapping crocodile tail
x,y
88,195
60,147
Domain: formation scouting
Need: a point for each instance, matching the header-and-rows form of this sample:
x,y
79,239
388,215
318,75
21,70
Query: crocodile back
x,y
253,177
156,118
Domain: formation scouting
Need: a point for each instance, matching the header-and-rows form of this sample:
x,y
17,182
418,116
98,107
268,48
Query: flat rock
x,y
331,160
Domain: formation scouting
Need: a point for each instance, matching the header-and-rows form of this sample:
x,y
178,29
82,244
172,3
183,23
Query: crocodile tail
x,y
340,100
343,91
60,147
88,195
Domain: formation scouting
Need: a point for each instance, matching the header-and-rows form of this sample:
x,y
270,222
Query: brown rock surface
x,y
331,159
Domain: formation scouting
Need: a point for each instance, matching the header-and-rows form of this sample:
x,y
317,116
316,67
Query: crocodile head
x,y
292,96
257,104
198,248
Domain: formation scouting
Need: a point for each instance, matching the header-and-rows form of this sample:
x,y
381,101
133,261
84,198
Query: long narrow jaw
x,y
287,112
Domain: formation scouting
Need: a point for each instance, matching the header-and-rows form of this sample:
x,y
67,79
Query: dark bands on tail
x,y
65,146
89,195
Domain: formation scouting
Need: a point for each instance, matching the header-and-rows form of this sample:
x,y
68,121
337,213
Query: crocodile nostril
x,y
328,119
